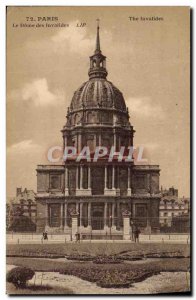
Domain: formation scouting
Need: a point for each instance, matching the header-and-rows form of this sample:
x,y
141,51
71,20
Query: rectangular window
x,y
55,182
140,181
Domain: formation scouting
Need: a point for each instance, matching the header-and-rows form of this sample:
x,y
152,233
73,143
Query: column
x,y
107,191
80,190
81,177
99,139
77,207
113,176
74,226
117,182
47,214
77,178
105,177
126,227
128,178
81,206
117,177
129,183
114,141
65,141
66,182
79,146
89,214
65,215
105,214
89,177
113,214
118,216
62,217
148,227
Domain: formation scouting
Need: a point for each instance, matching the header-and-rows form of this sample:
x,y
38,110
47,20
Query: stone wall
x,y
45,179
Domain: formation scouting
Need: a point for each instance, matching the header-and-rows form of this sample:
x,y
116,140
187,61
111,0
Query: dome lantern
x,y
97,60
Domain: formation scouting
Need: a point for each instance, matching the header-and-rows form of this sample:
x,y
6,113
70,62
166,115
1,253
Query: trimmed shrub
x,y
22,224
19,276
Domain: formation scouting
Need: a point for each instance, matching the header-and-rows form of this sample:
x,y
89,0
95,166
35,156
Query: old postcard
x,y
98,150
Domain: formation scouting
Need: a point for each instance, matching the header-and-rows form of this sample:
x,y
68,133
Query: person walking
x,y
45,236
132,230
136,234
77,237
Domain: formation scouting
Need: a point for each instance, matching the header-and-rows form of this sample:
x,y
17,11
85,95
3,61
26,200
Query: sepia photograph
x,y
98,187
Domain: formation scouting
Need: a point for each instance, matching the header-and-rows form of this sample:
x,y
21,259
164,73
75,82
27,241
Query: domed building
x,y
98,194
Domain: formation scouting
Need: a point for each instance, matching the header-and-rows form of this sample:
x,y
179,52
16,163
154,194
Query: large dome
x,y
98,92
97,101
97,115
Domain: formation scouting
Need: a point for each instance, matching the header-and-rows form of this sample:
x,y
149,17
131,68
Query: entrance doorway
x,y
97,219
55,215
141,214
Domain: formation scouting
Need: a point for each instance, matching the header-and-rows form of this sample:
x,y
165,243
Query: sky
x,y
147,60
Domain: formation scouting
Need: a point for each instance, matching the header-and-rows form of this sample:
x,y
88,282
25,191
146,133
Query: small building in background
x,y
173,208
26,201
21,211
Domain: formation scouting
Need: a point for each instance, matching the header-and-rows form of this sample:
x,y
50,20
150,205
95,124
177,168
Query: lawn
x,y
107,274
94,249
103,274
48,265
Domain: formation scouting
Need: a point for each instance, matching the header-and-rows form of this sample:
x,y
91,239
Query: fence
x,y
34,238
178,224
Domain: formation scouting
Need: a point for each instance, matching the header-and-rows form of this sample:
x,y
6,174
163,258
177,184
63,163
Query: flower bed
x,y
107,260
109,277
129,257
94,249
112,279
80,257
177,254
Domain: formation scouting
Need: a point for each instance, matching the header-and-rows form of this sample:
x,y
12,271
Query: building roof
x,y
98,93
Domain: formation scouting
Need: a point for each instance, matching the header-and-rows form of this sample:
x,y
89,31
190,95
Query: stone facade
x,y
98,191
